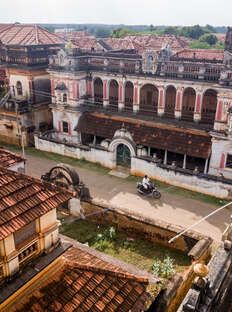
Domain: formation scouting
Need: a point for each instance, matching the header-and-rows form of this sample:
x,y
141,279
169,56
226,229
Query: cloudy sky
x,y
156,12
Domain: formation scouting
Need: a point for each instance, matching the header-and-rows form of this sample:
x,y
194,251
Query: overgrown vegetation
x,y
163,268
134,250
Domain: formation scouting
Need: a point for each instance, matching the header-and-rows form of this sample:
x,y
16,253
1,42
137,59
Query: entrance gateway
x,y
123,156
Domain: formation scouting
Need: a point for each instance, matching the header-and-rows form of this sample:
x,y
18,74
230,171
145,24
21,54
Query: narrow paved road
x,y
171,208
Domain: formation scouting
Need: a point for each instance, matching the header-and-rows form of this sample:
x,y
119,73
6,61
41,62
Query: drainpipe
x,y
149,151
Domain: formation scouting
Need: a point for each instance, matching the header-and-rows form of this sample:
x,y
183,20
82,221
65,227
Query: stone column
x,y
136,98
179,99
198,105
165,157
105,93
184,161
121,96
89,89
221,117
206,166
32,95
161,101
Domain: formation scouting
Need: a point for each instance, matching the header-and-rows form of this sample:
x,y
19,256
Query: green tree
x,y
209,38
102,32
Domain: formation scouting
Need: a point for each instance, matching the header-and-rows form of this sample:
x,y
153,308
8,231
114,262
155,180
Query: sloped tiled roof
x,y
27,34
201,54
8,159
81,40
196,143
142,43
84,282
24,199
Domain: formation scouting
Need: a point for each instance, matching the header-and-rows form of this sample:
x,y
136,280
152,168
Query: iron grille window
x,y
229,161
65,127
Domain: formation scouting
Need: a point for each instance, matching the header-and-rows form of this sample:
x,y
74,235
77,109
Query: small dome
x,y
201,269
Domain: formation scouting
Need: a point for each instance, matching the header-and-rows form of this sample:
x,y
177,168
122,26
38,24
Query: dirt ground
x,y
173,208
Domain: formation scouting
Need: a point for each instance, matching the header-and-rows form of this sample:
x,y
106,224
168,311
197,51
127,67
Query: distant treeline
x,y
102,30
202,37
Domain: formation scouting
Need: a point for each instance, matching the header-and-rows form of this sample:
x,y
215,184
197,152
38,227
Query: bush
x,y
163,268
209,38
104,240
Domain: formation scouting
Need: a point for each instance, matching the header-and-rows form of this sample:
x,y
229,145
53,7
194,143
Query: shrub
x,y
163,268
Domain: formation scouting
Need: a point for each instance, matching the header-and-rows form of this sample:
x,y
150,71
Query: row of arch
x,y
149,97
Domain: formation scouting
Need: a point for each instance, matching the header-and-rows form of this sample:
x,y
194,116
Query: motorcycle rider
x,y
146,183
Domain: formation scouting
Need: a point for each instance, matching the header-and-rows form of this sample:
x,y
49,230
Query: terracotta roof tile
x,y
201,54
94,287
24,199
27,34
142,43
196,143
8,158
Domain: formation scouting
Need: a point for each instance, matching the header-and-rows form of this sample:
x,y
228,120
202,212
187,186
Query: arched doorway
x,y
98,91
129,90
170,102
113,94
123,156
209,107
188,106
149,96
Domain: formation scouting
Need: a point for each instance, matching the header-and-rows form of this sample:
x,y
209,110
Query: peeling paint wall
x,y
139,167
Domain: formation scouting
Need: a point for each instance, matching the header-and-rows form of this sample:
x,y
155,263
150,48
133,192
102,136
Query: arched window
x,y
170,102
209,107
65,98
19,88
98,91
149,96
189,98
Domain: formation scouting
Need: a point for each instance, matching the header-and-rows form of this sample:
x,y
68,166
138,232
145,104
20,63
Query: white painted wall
x,y
24,81
139,167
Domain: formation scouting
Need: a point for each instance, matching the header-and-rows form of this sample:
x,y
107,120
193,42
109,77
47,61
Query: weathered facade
x,y
25,84
156,112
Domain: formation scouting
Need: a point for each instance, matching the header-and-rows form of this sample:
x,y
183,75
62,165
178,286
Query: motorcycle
x,y
150,191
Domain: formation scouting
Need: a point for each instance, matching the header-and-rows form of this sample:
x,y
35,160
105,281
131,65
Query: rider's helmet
x,y
145,176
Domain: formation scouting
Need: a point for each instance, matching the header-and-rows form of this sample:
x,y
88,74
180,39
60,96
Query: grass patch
x,y
137,251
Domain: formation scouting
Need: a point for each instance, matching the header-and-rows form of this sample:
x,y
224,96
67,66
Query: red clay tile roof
x,y
24,199
8,159
196,143
81,40
84,283
142,43
26,34
202,54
